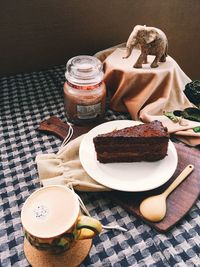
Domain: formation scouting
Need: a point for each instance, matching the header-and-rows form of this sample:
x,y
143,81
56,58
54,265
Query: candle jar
x,y
84,90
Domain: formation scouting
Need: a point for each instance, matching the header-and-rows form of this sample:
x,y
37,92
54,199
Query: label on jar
x,y
88,112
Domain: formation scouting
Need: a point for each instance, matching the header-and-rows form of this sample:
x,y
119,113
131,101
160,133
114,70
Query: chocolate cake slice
x,y
144,142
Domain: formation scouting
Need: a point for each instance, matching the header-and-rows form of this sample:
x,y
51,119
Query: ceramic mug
x,y
51,219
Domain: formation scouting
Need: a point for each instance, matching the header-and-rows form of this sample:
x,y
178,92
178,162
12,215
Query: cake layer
x,y
144,142
129,157
157,147
128,140
146,130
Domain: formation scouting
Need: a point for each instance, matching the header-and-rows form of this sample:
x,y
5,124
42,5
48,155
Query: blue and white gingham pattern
x,y
25,101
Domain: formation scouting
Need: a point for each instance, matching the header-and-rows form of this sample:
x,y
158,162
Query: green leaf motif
x,y
192,91
171,116
177,113
196,129
192,114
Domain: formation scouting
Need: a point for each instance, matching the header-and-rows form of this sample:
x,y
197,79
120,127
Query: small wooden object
x,y
154,208
179,202
71,258
55,126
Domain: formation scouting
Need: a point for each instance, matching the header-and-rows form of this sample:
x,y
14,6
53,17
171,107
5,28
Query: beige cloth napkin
x,y
146,93
64,168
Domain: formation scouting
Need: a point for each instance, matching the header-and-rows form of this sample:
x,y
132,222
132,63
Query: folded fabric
x,y
147,93
64,168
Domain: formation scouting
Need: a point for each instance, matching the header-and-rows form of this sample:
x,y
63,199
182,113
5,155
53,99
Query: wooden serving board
x,y
179,201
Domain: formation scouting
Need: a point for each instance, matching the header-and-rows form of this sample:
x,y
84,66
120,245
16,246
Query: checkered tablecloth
x,y
25,101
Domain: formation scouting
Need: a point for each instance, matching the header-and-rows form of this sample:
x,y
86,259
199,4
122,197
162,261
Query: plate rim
x,y
172,147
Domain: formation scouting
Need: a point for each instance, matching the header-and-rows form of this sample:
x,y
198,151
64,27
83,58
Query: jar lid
x,y
84,70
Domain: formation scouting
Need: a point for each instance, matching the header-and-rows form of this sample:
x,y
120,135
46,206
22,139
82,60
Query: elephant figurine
x,y
152,41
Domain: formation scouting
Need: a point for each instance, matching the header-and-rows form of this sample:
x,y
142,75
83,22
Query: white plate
x,y
133,177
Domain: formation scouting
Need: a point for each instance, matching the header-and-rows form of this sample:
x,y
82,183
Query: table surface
x,y
26,100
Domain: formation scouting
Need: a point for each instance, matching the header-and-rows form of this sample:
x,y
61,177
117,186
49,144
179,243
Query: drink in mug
x,y
51,219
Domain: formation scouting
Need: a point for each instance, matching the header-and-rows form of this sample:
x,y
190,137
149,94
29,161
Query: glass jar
x,y
84,90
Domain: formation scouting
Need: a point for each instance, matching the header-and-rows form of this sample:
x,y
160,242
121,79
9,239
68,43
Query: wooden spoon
x,y
154,208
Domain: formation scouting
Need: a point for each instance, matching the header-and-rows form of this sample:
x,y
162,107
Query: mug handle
x,y
87,227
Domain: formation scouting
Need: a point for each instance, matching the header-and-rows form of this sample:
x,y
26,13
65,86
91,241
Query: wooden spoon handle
x,y
179,179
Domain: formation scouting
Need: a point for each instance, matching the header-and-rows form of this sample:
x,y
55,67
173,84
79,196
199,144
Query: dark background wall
x,y
36,34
